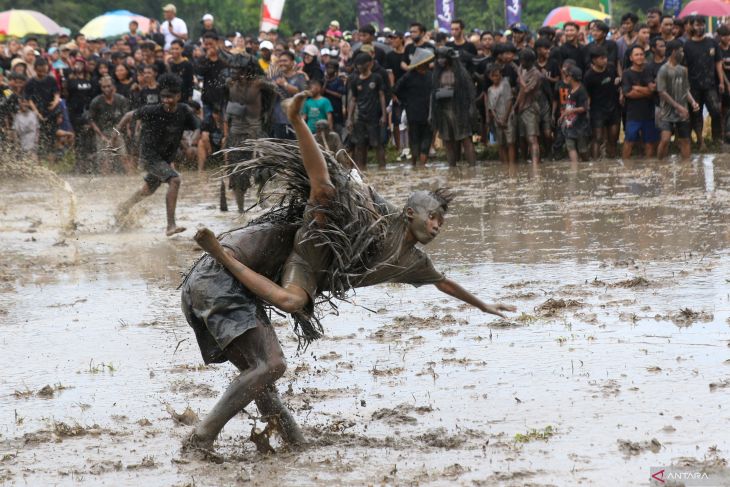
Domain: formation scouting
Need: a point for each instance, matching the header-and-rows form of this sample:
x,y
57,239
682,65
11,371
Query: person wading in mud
x,y
163,125
345,236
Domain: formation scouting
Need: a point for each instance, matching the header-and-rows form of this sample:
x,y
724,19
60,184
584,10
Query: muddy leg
x,y
270,404
223,199
124,208
173,187
259,350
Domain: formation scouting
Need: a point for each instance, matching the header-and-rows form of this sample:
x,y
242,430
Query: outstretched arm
x,y
453,289
289,299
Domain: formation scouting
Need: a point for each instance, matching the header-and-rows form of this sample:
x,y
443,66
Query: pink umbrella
x,y
707,8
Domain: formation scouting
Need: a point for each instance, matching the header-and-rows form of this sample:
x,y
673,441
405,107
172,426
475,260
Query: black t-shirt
x,y
414,91
576,53
41,92
162,130
124,89
392,62
638,108
611,51
214,78
366,93
214,132
147,96
551,69
80,94
602,89
576,125
725,56
700,58
184,69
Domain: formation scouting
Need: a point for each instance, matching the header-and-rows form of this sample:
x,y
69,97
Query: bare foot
x,y
204,448
293,106
207,241
173,230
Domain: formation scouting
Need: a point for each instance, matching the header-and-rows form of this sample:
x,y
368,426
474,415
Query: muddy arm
x,y
451,288
289,299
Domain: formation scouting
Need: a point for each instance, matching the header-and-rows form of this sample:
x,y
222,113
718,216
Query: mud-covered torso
x,y
263,247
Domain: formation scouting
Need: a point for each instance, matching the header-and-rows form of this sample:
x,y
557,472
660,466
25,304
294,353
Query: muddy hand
x,y
497,308
207,241
293,106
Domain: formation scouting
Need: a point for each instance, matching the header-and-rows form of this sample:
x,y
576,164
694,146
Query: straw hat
x,y
421,56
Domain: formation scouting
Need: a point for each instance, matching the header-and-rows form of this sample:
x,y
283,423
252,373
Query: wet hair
x,y
601,25
575,73
170,82
653,42
675,44
543,43
443,197
527,55
630,16
597,51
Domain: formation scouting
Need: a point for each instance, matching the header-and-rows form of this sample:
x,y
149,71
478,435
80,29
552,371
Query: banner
x,y
605,6
513,11
370,12
271,11
673,6
444,14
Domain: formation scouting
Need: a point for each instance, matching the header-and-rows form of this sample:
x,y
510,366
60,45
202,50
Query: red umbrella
x,y
707,8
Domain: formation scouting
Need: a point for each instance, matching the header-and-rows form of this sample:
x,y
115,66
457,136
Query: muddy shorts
x,y
158,172
366,133
218,308
681,129
604,119
240,182
579,144
420,136
529,121
505,135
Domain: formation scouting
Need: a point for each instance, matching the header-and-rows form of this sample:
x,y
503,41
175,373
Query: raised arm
x,y
451,288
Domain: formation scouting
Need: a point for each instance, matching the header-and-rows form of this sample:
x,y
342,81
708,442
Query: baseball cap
x,y
395,33
169,8
208,17
266,45
335,23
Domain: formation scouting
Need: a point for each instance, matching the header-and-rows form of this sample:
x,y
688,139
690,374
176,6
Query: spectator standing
x,y
452,106
334,90
628,37
500,114
213,71
26,128
528,103
172,27
600,82
723,35
574,120
181,66
105,111
674,93
288,82
79,93
316,107
44,97
639,88
704,64
413,90
366,112
572,48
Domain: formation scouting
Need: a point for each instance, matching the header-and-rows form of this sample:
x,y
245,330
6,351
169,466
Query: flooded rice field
x,y
616,363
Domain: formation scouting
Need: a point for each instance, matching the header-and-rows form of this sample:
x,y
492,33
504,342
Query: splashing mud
x,y
617,359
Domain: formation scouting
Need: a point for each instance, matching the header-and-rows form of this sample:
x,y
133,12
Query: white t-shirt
x,y
26,127
178,26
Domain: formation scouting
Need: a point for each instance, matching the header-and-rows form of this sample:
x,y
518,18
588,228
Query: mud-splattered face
x,y
425,216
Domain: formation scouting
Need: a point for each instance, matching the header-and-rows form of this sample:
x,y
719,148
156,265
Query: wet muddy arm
x,y
451,288
288,299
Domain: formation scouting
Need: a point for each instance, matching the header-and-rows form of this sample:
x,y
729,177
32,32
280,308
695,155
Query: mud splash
x,y
408,385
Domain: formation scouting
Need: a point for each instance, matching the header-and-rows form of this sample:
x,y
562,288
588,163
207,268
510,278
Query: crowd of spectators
x,y
551,93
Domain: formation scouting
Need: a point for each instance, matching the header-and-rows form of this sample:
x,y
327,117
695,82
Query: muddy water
x,y
409,386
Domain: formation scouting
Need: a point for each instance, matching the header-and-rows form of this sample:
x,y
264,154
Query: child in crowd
x,y
26,128
317,107
499,113
574,120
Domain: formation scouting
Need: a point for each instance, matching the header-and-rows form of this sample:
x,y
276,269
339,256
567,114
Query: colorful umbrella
x,y
708,8
20,23
113,24
581,16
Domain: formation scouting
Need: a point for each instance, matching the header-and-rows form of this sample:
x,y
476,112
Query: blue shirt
x,y
316,110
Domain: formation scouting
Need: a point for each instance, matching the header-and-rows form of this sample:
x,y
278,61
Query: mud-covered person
x,y
162,129
227,320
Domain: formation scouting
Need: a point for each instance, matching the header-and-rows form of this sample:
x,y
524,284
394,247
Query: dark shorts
x,y
579,144
420,136
681,129
158,172
366,133
218,308
604,119
641,131
529,121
